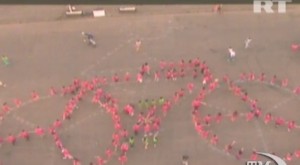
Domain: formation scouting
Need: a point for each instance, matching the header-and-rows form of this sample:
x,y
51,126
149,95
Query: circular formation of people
x,y
150,113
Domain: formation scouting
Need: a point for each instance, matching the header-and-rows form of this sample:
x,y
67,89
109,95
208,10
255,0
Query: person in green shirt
x,y
155,140
131,141
5,60
161,101
146,141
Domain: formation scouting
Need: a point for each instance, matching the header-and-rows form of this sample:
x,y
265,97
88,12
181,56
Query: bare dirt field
x,y
51,53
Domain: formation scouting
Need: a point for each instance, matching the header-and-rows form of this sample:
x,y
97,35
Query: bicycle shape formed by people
x,y
152,111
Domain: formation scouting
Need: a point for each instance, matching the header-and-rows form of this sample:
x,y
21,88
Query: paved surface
x,y
45,54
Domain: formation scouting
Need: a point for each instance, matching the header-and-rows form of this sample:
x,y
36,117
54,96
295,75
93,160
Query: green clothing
x,y
155,139
131,141
161,101
5,60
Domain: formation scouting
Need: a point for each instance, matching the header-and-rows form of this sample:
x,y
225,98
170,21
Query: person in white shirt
x,y
247,42
231,54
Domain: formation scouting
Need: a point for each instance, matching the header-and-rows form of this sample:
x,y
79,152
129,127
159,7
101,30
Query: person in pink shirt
x,y
39,131
11,139
24,134
17,102
34,96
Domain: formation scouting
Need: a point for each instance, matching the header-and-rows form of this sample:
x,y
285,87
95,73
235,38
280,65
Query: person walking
x,y
232,54
247,42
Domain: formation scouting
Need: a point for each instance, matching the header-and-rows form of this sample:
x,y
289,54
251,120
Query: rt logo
x,y
258,5
276,159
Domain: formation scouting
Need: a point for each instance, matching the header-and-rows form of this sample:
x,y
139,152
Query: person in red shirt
x,y
207,119
57,123
59,144
24,134
196,104
124,148
195,73
5,107
237,91
219,118
129,110
199,127
11,139
39,131
100,161
127,76
205,134
214,140
213,85
297,153
249,116
225,79
268,118
240,154
124,133
66,115
66,154
190,87
139,78
251,76
156,76
123,159
296,91
243,76
245,97
284,83
147,129
162,65
17,102
52,91
117,126
108,153
262,77
257,112
234,116
115,78
76,161
253,155
279,121
289,157
291,125
136,128
273,80
34,96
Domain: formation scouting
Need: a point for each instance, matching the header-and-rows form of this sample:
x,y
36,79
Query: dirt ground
x,y
51,53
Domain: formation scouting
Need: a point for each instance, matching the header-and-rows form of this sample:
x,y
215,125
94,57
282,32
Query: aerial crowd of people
x,y
149,113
